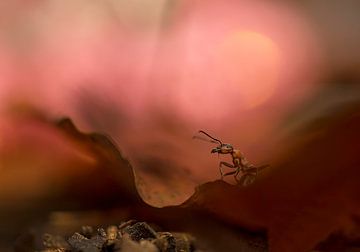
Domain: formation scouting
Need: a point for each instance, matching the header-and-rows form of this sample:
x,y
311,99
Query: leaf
x,y
307,195
310,192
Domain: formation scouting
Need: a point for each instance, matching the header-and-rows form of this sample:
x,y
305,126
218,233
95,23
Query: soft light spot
x,y
250,63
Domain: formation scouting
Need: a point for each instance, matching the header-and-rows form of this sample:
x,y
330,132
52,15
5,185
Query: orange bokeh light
x,y
250,62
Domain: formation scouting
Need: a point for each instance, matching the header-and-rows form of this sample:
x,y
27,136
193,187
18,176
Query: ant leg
x,y
253,169
225,164
260,168
229,173
236,174
237,171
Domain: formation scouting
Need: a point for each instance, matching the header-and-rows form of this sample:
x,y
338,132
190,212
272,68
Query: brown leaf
x,y
308,194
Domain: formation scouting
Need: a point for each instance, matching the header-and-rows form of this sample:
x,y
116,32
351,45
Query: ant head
x,y
223,149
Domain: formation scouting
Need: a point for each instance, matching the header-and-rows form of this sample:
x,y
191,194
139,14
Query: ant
x,y
240,163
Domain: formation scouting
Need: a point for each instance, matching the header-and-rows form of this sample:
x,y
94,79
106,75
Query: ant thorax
x,y
237,154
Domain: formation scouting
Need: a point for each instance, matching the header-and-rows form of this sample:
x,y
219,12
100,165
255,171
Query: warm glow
x,y
250,61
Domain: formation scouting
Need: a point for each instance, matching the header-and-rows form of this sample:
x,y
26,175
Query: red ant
x,y
240,163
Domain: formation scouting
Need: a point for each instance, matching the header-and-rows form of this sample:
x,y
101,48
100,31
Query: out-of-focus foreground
x,y
277,79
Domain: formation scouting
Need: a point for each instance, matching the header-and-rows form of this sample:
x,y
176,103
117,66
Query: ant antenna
x,y
204,139
217,140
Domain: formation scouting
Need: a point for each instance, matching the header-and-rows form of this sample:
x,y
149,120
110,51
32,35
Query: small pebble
x,y
140,231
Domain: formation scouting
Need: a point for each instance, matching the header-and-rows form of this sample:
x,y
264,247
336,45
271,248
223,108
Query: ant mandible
x,y
240,163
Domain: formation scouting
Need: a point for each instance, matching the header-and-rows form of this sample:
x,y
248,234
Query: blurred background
x,y
150,74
